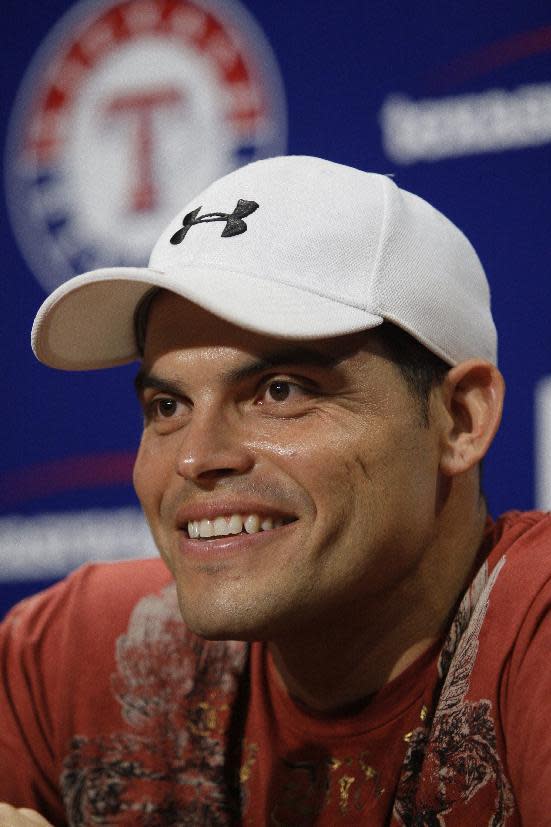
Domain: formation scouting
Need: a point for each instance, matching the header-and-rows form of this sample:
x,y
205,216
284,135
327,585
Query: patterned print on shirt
x,y
458,758
166,765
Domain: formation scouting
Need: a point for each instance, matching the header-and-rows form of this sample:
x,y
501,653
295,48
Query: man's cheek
x,y
147,471
139,478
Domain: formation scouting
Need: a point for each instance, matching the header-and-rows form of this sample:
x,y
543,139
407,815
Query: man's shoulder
x,y
523,525
513,588
123,581
104,593
523,540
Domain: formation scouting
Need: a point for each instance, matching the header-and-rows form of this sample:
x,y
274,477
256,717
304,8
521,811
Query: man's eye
x,y
279,391
165,413
164,407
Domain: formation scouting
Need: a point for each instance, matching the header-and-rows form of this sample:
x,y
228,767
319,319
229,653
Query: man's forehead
x,y
175,323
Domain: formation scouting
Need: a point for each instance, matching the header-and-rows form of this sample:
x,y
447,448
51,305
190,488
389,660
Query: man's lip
x,y
210,510
227,547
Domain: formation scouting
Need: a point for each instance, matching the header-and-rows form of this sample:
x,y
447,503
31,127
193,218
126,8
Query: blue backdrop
x,y
115,113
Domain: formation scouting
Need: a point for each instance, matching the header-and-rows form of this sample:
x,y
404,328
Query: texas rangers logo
x,y
129,109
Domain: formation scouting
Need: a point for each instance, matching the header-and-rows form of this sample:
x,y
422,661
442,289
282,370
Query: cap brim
x,y
88,322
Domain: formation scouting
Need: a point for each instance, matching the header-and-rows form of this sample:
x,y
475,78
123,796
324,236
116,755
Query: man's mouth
x,y
223,526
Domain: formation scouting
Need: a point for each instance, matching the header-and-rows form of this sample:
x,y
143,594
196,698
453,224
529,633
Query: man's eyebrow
x,y
295,356
144,379
288,356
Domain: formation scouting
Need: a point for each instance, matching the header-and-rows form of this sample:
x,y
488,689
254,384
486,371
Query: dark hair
x,y
141,315
421,369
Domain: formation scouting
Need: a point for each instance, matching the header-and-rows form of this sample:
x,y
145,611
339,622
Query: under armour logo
x,y
234,220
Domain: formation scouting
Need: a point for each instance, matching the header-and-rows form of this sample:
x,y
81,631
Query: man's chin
x,y
227,635
222,625
223,631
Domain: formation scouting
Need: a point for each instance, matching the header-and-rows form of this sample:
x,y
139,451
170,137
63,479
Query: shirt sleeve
x,y
57,658
30,676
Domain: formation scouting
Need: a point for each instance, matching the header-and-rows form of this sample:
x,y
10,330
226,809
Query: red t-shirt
x,y
327,770
112,712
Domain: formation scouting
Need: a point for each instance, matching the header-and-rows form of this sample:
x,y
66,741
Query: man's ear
x,y
472,395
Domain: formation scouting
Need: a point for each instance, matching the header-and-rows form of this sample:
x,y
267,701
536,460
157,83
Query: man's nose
x,y
213,445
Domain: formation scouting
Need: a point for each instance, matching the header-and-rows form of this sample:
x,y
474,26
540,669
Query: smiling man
x,y
337,632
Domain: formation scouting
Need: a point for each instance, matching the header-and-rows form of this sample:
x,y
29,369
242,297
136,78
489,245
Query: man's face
x,y
320,442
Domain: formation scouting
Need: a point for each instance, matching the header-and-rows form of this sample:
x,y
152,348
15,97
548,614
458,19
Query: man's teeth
x,y
222,526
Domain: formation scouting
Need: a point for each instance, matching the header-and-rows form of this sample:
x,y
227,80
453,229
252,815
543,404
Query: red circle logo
x,y
128,110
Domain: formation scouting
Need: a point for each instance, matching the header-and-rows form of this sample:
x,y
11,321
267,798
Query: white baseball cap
x,y
292,247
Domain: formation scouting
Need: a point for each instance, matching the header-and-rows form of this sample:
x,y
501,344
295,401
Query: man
x,y
356,641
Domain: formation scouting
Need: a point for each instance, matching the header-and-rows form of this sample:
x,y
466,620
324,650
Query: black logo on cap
x,y
234,220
